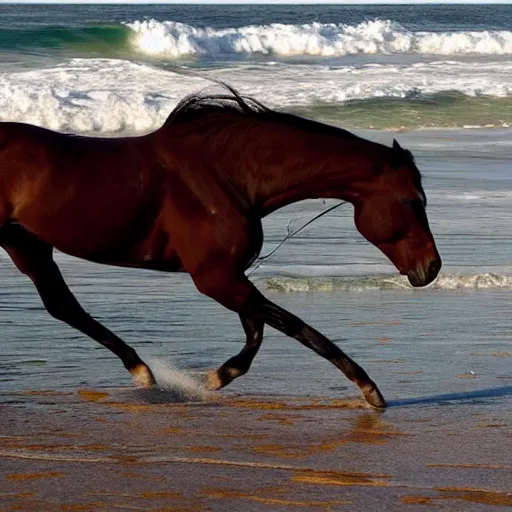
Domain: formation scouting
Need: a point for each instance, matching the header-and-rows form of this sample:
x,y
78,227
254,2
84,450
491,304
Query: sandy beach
x,y
131,450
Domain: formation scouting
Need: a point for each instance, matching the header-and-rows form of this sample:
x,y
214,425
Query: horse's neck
x,y
309,166
269,165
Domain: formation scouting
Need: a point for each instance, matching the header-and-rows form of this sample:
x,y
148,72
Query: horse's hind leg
x,y
34,258
239,294
239,364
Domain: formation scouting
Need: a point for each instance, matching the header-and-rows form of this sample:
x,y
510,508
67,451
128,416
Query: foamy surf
x,y
112,95
484,281
181,383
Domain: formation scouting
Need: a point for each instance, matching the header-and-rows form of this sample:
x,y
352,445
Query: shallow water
x,y
454,337
413,343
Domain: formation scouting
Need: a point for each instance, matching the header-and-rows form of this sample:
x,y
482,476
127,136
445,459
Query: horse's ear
x,y
396,146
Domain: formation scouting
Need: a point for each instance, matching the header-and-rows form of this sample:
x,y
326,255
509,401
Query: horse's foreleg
x,y
239,364
34,258
242,296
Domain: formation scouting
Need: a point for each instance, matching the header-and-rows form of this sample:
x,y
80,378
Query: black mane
x,y
196,106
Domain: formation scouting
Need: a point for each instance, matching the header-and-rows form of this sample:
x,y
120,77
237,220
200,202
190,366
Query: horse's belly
x,y
133,253
85,241
172,264
107,229
153,251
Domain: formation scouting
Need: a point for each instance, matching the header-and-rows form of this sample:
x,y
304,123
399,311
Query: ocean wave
x,y
175,40
383,282
96,39
115,95
94,95
171,39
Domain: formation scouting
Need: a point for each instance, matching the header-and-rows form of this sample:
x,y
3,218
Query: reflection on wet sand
x,y
472,495
123,448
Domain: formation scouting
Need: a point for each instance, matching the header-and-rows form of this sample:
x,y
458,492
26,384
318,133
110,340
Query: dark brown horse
x,y
190,197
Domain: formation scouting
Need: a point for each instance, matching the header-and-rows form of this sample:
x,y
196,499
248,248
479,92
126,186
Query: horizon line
x,y
257,2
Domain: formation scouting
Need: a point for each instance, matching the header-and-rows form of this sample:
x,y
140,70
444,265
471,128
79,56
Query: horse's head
x,y
390,214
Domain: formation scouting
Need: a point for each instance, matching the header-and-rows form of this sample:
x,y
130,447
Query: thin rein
x,y
291,235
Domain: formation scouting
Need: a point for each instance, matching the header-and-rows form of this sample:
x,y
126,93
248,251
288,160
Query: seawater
x,y
111,70
123,68
452,337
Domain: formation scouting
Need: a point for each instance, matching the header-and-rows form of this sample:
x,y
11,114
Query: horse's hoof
x,y
213,381
374,397
142,376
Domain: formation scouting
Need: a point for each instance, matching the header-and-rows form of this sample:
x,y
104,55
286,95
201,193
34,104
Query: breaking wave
x,y
171,39
114,95
176,40
384,282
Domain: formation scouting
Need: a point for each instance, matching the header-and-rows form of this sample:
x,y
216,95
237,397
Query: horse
x,y
189,197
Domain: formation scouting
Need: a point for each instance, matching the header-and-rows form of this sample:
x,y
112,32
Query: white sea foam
x,y
170,39
109,95
386,282
481,196
93,95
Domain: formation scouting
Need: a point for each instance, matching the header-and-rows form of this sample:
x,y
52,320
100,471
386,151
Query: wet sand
x,y
127,449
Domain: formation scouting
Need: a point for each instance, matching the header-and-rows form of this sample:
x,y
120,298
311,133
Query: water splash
x,y
181,383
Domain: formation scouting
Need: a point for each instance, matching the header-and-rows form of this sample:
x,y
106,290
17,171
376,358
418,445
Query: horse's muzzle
x,y
424,274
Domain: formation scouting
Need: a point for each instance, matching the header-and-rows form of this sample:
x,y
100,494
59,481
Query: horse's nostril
x,y
424,275
434,268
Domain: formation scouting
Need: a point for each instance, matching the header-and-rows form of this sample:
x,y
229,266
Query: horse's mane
x,y
196,106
